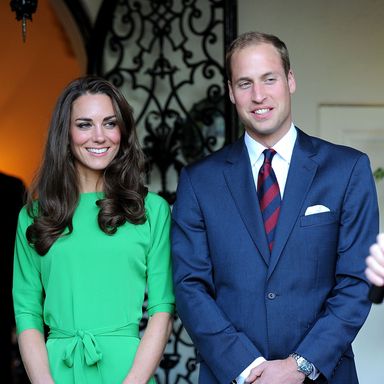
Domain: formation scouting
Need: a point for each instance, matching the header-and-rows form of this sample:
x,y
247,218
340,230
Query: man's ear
x,y
291,82
230,92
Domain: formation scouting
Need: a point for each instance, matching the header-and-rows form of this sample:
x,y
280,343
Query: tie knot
x,y
268,155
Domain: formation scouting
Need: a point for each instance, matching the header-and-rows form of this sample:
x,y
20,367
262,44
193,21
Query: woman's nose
x,y
98,134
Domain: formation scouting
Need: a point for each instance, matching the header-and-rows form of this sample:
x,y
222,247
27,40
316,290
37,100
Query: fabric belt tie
x,y
90,347
83,346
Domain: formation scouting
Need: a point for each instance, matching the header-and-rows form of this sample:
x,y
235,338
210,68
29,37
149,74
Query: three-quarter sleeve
x,y
159,271
27,286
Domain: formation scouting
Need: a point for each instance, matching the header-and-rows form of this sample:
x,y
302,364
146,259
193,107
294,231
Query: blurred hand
x,y
375,262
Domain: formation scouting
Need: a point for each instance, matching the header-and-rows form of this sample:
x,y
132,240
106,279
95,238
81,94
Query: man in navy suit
x,y
286,311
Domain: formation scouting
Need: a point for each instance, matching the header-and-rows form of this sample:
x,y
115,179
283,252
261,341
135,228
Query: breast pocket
x,y
320,233
323,218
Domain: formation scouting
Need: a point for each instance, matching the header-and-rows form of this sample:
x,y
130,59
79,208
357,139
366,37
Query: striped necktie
x,y
269,195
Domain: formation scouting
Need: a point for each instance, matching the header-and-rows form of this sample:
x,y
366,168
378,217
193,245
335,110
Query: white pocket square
x,y
316,209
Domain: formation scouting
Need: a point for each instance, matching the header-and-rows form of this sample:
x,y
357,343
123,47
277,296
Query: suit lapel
x,y
302,170
239,179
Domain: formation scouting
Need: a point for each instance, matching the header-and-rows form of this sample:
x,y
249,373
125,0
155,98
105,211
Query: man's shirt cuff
x,y
243,375
314,374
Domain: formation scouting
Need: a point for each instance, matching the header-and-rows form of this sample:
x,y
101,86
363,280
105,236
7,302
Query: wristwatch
x,y
303,365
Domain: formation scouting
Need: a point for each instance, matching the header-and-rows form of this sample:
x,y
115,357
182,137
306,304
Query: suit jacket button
x,y
271,296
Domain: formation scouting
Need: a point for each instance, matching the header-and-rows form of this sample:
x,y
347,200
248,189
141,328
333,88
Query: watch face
x,y
304,366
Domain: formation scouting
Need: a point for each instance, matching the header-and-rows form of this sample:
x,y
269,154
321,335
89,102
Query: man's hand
x,y
276,372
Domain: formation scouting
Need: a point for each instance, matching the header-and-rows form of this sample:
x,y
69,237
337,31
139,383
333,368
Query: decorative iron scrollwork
x,y
167,56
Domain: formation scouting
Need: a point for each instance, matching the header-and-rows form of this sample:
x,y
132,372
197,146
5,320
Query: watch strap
x,y
303,365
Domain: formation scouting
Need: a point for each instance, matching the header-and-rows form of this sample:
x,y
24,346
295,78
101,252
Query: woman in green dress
x,y
90,242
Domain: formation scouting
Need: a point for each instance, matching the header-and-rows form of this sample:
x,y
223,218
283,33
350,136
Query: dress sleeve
x,y
159,272
27,285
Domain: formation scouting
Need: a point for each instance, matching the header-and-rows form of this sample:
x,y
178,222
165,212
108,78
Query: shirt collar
x,y
284,147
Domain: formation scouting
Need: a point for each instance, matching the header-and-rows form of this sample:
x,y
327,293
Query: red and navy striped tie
x,y
269,195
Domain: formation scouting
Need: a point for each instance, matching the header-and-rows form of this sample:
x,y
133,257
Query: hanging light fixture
x,y
24,10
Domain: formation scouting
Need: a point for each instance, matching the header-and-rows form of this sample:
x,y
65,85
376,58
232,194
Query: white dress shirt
x,y
281,160
280,164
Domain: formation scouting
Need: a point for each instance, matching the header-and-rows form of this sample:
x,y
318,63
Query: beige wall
x,y
336,49
337,54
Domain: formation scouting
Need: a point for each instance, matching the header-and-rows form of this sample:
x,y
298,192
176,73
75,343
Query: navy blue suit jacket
x,y
237,301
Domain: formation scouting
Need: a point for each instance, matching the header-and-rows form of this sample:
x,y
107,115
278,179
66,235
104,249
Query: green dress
x,y
89,290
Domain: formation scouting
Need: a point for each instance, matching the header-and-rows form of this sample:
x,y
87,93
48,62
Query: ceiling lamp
x,y
24,10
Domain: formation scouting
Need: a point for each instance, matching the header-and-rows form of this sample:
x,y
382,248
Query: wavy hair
x,y
56,185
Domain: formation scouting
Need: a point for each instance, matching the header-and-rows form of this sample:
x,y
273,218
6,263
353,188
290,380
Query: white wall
x,y
337,55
